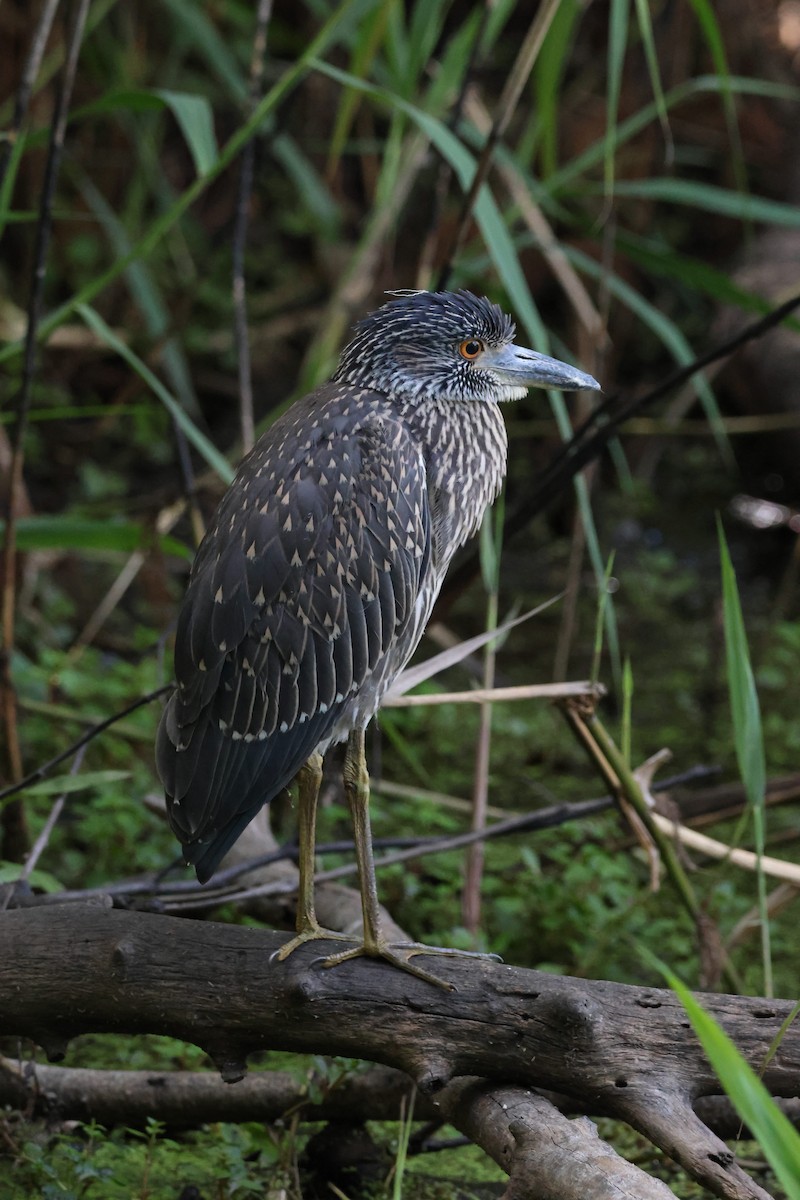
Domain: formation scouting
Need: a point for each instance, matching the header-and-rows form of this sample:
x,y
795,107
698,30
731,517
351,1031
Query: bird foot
x,y
310,933
399,954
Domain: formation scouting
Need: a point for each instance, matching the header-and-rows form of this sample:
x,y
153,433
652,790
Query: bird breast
x,y
466,449
465,452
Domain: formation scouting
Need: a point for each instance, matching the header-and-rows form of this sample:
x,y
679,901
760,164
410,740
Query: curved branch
x,y
547,1156
616,1050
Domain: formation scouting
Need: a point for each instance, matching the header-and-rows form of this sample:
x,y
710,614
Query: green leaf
x,y
64,531
120,99
707,20
201,32
192,112
712,199
198,439
777,1137
665,329
748,737
347,12
43,880
548,73
157,315
745,709
617,45
645,19
76,783
311,188
581,164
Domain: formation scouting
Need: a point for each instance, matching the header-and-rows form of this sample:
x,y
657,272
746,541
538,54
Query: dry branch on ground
x,y
616,1050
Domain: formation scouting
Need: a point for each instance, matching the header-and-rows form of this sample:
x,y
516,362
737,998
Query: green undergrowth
x,y
644,186
574,899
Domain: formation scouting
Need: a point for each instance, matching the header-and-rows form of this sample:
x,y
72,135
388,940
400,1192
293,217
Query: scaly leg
x,y
309,780
356,786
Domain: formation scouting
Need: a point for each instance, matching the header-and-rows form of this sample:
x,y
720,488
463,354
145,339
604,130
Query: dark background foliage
x,y
641,205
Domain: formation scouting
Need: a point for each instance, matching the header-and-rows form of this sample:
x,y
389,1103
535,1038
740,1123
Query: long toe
x,y
400,955
313,933
449,951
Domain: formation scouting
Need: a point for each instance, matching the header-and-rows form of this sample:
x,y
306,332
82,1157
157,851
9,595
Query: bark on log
x,y
619,1050
189,1099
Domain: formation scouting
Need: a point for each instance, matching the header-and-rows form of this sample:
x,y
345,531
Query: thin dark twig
x,y
45,769
27,80
582,447
247,420
591,437
220,891
189,480
410,847
13,817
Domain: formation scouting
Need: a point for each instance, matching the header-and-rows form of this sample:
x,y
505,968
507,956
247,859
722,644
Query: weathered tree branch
x,y
547,1157
188,1099
616,1050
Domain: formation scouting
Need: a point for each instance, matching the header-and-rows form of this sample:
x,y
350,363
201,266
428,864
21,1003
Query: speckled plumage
x,y
317,575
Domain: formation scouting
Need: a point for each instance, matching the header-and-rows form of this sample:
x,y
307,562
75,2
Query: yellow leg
x,y
309,780
356,786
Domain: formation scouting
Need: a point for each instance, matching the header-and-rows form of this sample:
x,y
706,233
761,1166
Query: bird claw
x,y
387,954
399,954
311,933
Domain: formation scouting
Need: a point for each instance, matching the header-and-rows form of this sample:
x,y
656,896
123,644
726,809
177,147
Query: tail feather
x,y
215,783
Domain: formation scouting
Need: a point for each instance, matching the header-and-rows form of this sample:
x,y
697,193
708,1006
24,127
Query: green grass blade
x,y
712,199
747,733
370,37
403,1140
599,568
192,113
548,73
627,710
777,1137
603,595
157,316
201,32
76,783
661,259
744,698
198,439
312,191
665,330
66,531
707,20
645,21
583,164
617,44
346,13
196,120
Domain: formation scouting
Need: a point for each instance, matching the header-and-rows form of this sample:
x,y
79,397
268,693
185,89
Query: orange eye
x,y
470,349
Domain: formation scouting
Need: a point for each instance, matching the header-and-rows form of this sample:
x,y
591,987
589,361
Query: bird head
x,y
448,346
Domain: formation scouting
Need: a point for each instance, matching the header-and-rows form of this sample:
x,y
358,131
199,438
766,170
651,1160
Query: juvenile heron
x,y
318,573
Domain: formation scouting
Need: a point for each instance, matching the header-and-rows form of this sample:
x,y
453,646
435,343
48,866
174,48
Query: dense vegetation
x,y
640,206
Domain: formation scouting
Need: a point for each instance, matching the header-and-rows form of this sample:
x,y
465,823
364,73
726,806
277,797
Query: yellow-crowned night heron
x,y
318,573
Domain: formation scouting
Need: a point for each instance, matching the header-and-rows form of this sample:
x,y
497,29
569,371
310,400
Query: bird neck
x,y
465,446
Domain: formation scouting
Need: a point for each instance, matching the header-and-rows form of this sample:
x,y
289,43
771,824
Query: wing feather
x,y
298,603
